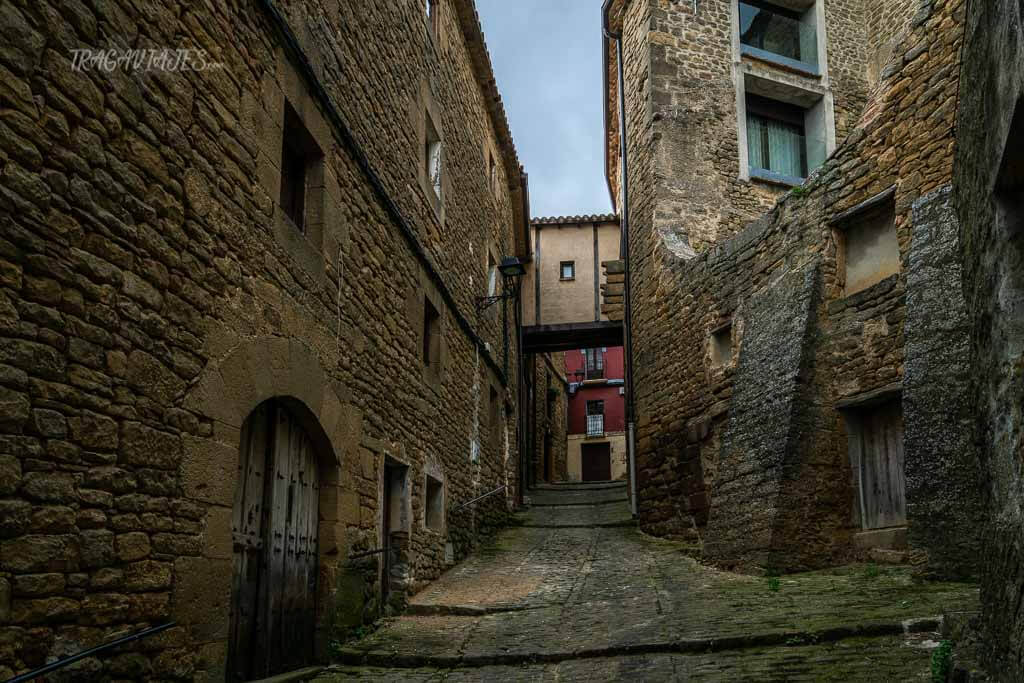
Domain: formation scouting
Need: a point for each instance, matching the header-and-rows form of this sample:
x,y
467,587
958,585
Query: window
x,y
876,457
433,504
775,138
595,418
433,159
869,250
721,346
492,275
594,363
431,9
779,34
568,270
299,156
492,173
431,334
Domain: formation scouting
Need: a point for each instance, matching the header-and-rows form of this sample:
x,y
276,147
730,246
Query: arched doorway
x,y
274,533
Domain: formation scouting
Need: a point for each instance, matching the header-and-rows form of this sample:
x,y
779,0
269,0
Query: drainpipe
x,y
624,251
524,184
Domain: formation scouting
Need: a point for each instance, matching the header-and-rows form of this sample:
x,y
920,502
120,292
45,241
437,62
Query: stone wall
x,y
153,293
886,20
690,112
686,402
987,195
549,416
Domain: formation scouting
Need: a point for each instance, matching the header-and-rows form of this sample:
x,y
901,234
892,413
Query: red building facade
x,y
596,442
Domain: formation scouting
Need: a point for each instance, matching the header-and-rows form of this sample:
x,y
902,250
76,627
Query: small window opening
x,y
721,346
595,418
299,152
594,363
568,270
431,333
433,159
492,173
776,142
434,504
870,251
492,275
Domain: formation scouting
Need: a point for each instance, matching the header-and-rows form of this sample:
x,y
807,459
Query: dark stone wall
x,y
153,293
988,189
944,511
766,419
903,142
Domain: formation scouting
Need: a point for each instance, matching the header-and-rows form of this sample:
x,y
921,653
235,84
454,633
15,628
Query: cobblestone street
x,y
577,593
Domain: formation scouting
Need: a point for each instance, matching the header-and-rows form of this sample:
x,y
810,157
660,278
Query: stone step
x,y
879,637
581,485
569,516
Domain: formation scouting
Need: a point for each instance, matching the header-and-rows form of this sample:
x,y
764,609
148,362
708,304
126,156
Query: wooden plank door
x,y
274,600
597,461
882,482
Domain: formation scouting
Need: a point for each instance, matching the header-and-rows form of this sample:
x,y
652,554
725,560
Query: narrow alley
x,y
575,592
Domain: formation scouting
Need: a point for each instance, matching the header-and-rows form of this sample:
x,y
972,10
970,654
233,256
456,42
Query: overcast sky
x,y
547,61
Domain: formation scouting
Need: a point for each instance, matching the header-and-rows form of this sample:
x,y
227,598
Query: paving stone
x,y
613,604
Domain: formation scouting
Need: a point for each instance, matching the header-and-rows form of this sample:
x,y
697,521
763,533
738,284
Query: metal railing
x,y
479,498
595,425
61,663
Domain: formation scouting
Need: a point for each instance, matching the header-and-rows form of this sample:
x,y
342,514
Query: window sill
x,y
566,279
786,63
773,178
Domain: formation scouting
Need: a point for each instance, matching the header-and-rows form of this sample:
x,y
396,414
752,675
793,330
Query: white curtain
x,y
784,149
755,141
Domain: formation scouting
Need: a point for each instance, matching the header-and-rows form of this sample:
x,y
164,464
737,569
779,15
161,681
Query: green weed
x,y
942,662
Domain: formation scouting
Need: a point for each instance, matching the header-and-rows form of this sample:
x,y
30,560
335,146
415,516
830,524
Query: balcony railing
x,y
595,425
777,37
595,373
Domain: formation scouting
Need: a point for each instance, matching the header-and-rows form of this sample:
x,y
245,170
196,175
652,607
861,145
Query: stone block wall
x,y
687,401
691,112
987,195
152,294
549,412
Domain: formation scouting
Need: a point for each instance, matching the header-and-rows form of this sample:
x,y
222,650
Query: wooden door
x,y
274,529
597,461
882,479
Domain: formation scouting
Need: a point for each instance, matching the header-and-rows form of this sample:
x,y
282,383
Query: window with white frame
x,y
492,275
785,34
776,140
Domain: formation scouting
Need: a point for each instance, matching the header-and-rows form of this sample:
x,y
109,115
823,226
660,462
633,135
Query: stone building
x,y
259,264
989,196
596,425
546,393
798,343
565,280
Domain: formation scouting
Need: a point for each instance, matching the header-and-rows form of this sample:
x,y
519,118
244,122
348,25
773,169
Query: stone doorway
x,y
274,538
396,513
597,461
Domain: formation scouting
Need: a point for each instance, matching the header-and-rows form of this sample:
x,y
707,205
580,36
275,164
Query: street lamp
x,y
511,269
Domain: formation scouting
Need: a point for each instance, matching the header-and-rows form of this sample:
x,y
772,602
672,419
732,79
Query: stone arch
x,y
228,391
